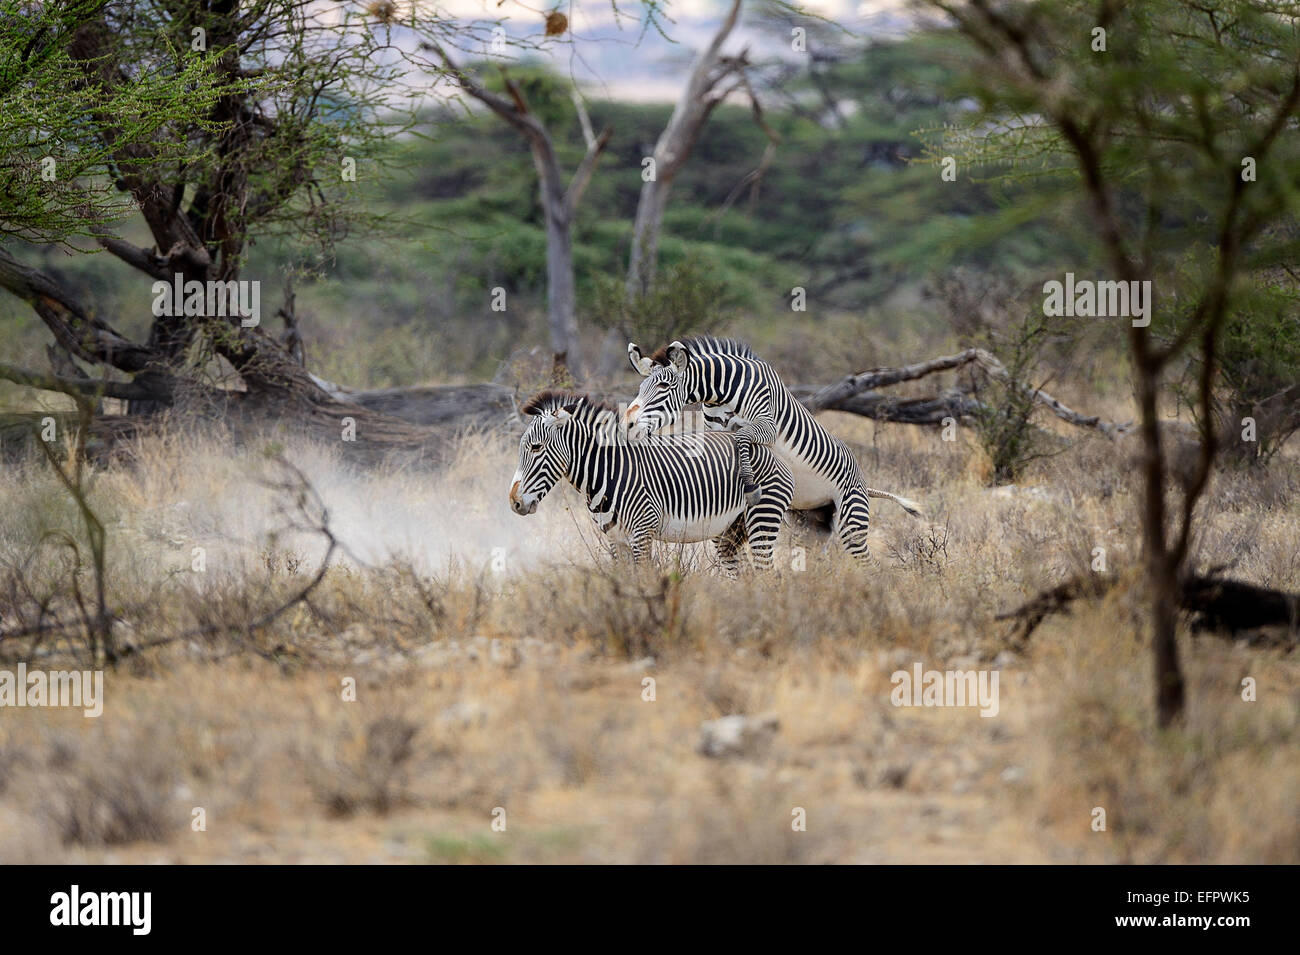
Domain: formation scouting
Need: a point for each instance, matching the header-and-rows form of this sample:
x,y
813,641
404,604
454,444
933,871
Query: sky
x,y
611,55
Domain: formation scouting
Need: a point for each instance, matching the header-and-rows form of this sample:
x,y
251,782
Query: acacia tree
x,y
218,122
1176,123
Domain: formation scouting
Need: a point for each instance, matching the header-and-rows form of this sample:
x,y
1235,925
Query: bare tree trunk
x,y
560,305
1162,572
706,87
644,256
558,204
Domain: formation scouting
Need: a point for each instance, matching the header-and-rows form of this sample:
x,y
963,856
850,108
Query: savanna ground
x,y
499,664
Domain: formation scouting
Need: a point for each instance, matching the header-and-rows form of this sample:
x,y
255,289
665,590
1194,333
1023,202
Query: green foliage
x,y
839,212
849,209
1180,133
1004,422
546,93
255,120
686,298
59,173
831,208
444,849
1259,363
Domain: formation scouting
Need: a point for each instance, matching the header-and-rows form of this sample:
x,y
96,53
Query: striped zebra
x,y
741,392
678,488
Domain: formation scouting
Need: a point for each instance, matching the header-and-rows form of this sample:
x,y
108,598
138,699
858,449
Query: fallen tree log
x,y
1214,604
929,410
1233,606
489,405
134,390
843,395
467,406
423,419
369,438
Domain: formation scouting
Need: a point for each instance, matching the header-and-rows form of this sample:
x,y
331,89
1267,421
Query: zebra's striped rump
x,y
743,393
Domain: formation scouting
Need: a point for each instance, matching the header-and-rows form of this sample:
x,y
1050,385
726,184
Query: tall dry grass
x,y
500,662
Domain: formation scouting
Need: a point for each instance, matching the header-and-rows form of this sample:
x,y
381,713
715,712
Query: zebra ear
x,y
640,364
563,415
677,357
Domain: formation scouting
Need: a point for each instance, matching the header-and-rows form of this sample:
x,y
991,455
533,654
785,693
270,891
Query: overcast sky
x,y
611,55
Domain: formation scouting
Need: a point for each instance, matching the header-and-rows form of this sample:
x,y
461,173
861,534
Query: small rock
x,y
503,654
737,735
895,777
1006,659
463,715
899,658
640,666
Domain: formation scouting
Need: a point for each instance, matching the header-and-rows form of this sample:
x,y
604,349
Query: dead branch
x,y
99,624
306,502
928,410
1214,604
754,177
89,387
85,336
842,393
1054,600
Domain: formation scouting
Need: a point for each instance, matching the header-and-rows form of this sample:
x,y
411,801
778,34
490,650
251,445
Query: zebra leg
x,y
852,520
640,544
763,519
760,431
749,486
615,539
728,545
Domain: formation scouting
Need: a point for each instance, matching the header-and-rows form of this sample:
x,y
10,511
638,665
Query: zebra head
x,y
664,390
543,457
562,425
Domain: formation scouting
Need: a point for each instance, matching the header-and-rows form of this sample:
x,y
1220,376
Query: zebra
x,y
741,392
679,488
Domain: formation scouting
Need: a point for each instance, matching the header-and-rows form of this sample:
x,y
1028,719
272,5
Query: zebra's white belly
x,y
810,488
678,529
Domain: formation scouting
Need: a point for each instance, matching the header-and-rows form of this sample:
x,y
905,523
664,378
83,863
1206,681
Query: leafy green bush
x,y
1004,421
1259,364
686,298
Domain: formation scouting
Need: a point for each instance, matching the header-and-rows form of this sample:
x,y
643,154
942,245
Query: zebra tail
x,y
910,506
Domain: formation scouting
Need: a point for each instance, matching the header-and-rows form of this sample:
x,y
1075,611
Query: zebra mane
x,y
708,344
581,406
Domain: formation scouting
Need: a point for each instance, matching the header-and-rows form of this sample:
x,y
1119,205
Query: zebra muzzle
x,y
521,505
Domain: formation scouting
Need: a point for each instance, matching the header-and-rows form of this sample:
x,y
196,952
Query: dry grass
x,y
499,663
